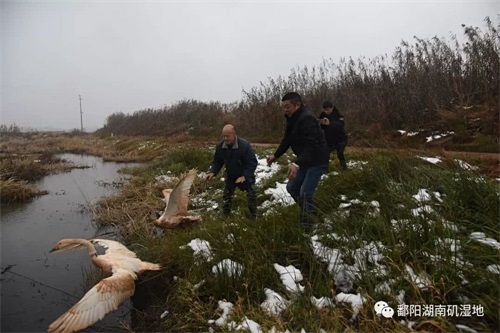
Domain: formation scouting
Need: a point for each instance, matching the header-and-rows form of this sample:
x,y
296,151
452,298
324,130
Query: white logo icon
x,y
382,308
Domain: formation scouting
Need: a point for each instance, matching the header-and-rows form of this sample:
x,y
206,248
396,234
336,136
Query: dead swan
x,y
110,292
177,200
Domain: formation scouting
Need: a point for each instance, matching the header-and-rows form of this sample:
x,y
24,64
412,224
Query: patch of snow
x,y
264,171
433,160
166,179
228,266
481,237
322,302
248,325
274,303
438,136
401,297
200,247
465,165
226,308
421,280
356,164
420,211
495,269
290,276
402,132
355,300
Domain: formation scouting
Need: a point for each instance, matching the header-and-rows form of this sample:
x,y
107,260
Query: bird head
x,y
65,245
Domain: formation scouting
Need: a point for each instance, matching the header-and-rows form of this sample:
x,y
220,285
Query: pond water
x,y
38,286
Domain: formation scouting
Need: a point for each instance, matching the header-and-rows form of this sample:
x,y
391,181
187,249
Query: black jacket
x,y
334,133
239,159
306,139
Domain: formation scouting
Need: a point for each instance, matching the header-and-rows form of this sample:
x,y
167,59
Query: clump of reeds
x,y
17,191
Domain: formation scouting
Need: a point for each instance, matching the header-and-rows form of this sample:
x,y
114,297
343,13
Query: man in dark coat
x,y
332,123
241,162
307,141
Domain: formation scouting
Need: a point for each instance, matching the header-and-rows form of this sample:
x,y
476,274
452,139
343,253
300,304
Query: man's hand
x,y
240,180
325,121
292,171
209,176
270,159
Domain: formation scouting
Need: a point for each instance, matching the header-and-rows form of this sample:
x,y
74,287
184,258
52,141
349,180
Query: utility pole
x,y
81,114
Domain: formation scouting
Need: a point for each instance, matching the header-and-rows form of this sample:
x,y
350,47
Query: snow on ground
x,y
200,247
438,136
280,194
166,178
481,237
356,164
466,166
322,302
421,280
290,276
226,308
423,195
495,269
264,171
355,300
433,160
274,303
229,267
403,132
421,211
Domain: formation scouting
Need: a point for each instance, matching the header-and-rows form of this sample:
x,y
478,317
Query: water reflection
x,y
37,287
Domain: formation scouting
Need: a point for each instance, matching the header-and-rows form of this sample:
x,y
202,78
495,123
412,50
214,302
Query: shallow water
x,y
40,286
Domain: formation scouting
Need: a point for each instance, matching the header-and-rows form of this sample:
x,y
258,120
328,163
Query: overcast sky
x,y
123,56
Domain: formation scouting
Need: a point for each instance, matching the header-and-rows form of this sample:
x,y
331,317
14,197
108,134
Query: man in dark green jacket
x,y
241,162
304,135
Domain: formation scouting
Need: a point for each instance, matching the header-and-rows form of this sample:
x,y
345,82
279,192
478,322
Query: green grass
x,y
470,203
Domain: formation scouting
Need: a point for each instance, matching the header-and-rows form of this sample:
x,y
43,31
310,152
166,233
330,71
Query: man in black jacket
x,y
332,123
241,162
307,141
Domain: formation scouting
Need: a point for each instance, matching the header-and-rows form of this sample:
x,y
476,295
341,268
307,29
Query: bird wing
x,y
104,297
166,193
179,198
114,247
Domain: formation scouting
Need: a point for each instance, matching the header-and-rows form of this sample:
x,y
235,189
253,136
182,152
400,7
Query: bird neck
x,y
90,247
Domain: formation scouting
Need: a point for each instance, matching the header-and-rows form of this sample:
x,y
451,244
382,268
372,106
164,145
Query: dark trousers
x,y
302,189
339,149
229,192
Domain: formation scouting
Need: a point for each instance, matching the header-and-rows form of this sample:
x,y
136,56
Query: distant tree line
x,y
11,129
408,90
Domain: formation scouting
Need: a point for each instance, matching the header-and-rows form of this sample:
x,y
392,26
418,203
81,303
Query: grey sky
x,y
130,55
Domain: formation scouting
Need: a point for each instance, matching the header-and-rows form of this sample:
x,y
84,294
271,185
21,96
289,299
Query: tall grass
x,y
17,191
432,238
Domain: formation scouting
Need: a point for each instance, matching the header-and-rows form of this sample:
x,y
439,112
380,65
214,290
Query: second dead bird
x,y
176,204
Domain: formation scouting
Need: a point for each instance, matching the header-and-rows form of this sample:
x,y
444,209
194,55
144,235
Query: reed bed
x,y
12,191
